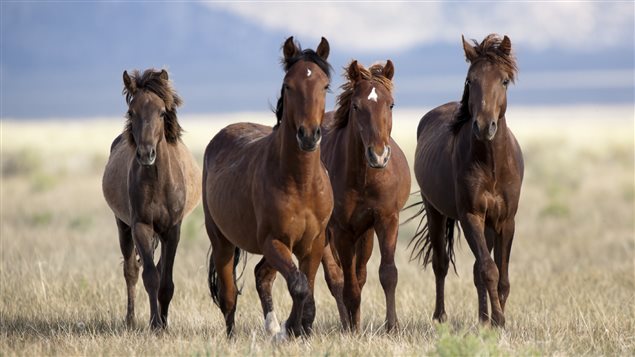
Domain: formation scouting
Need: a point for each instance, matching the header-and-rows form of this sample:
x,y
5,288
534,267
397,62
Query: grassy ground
x,y
572,272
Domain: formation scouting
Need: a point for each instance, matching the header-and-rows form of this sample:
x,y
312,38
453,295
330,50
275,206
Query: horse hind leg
x,y
130,267
166,265
440,258
221,274
502,251
265,276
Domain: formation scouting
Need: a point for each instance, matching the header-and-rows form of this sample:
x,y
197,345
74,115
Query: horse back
x,y
115,179
230,166
433,158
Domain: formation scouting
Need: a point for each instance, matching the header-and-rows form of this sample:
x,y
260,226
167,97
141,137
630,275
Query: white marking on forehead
x,y
308,72
373,95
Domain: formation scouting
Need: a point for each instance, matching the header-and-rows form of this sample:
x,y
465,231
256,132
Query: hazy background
x,y
65,59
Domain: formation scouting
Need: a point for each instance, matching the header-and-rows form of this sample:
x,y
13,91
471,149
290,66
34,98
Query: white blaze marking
x,y
308,72
373,95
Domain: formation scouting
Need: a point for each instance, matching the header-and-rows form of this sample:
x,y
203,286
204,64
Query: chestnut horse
x,y
151,182
267,192
371,181
469,167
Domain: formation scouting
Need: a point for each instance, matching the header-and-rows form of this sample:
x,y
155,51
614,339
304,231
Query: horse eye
x,y
286,87
129,114
392,106
505,82
327,88
468,82
163,113
355,107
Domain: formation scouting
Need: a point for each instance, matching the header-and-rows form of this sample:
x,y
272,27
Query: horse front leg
x,y
130,267
143,235
388,274
309,265
345,245
334,280
168,254
278,255
265,275
474,228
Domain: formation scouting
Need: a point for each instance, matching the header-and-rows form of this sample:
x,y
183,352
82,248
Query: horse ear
x,y
470,51
289,49
506,45
389,70
353,72
163,75
323,49
129,83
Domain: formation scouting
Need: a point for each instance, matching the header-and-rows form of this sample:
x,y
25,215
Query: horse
x,y
267,192
470,167
371,183
151,182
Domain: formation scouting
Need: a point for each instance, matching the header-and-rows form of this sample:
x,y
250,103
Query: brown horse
x,y
151,182
469,167
371,180
267,192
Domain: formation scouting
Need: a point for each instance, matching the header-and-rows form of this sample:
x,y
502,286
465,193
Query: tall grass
x,y
572,272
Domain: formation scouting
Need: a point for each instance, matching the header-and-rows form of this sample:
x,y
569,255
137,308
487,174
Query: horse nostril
x,y
318,133
475,126
301,132
153,153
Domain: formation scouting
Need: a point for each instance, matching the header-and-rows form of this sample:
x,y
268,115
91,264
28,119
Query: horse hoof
x,y
441,317
272,327
282,335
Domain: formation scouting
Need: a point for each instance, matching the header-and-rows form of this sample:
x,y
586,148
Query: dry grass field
x,y
62,290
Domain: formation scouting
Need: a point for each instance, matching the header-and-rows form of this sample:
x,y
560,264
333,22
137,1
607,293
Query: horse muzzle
x,y
146,155
487,132
378,161
309,141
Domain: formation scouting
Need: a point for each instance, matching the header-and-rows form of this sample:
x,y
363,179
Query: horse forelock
x,y
374,74
151,81
308,55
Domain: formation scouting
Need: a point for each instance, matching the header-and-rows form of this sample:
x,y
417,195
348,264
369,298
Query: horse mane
x,y
152,80
308,55
374,74
488,50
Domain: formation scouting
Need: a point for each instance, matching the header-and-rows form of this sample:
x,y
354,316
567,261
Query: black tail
x,y
422,248
212,277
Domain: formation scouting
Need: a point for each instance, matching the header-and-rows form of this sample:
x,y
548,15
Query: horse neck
x,y
354,160
492,154
294,164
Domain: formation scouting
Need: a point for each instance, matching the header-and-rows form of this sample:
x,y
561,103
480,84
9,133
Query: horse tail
x,y
449,239
421,242
212,277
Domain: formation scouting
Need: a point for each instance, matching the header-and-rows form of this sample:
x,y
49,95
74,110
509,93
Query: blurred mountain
x,y
65,59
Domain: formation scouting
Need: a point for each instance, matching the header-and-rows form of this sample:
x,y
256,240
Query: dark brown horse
x,y
371,180
267,192
151,182
469,167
